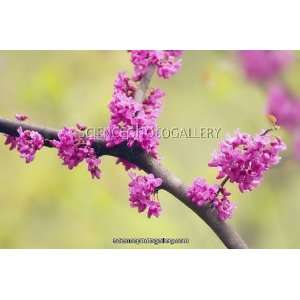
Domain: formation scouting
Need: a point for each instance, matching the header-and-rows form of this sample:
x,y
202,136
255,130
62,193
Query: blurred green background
x,y
44,205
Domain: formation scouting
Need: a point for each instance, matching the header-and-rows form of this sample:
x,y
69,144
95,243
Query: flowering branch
x,y
139,157
131,137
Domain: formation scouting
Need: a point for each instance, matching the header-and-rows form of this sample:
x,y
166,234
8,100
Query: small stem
x,y
270,129
224,181
267,131
221,186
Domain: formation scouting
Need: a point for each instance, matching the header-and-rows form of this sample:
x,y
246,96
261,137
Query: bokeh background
x,y
44,205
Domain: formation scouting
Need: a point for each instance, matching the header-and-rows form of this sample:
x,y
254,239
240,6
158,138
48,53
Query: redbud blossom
x,y
201,193
141,194
244,158
73,149
167,62
27,143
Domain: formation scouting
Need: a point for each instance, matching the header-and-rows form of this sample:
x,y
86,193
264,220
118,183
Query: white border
x,y
138,24
144,274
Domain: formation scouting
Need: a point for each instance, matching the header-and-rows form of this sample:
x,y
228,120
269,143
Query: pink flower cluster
x,y
284,106
224,208
167,62
201,193
27,143
262,65
73,149
244,158
141,194
133,122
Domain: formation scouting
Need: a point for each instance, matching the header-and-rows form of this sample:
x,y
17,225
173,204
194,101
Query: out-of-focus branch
x,y
136,155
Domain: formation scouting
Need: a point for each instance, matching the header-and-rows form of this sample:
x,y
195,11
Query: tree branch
x,y
144,84
136,155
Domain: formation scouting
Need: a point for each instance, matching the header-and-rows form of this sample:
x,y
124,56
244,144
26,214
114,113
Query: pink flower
x,y
69,147
73,149
284,106
153,103
245,158
11,141
21,117
154,209
93,166
141,194
27,143
167,62
124,85
224,208
201,193
132,122
262,65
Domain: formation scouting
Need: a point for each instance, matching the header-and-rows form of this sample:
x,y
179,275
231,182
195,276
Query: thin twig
x,y
221,186
144,84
